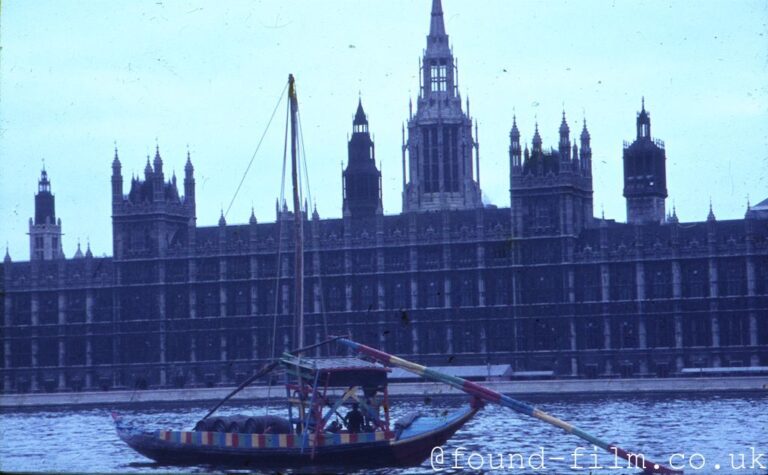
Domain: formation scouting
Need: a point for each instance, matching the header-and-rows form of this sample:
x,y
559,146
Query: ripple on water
x,y
84,440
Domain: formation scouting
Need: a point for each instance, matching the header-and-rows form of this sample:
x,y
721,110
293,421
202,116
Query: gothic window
x,y
622,282
542,217
238,345
439,77
102,310
239,268
661,332
430,257
734,330
268,304
695,277
75,351
335,302
75,307
658,282
732,277
431,164
628,335
208,269
39,242
467,293
697,330
399,296
208,346
176,271
47,352
21,353
588,287
368,300
177,346
593,334
239,301
48,310
433,294
210,302
177,304
451,158
21,309
502,291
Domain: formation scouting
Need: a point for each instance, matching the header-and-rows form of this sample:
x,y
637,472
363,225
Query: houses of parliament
x,y
542,285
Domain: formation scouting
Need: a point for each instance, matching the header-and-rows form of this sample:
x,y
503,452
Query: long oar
x,y
497,398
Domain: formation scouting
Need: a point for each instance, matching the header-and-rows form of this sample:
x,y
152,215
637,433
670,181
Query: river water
x,y
706,435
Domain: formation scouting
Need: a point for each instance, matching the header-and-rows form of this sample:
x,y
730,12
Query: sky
x,y
78,77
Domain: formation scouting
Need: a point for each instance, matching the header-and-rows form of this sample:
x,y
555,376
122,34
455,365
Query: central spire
x,y
437,25
443,163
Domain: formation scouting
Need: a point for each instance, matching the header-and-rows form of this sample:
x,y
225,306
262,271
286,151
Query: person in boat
x,y
334,427
354,419
372,419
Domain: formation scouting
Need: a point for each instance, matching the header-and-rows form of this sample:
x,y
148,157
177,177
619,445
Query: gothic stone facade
x,y
542,285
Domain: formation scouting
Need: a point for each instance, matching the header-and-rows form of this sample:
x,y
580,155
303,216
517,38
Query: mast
x,y
298,223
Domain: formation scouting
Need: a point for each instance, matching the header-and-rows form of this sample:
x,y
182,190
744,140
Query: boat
x,y
312,434
312,437
307,439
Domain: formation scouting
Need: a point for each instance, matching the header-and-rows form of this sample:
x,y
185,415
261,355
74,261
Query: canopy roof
x,y
343,372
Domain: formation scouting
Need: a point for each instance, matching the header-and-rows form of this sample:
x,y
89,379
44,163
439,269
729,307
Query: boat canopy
x,y
337,372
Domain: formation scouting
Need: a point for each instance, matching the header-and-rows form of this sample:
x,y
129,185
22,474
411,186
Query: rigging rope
x,y
237,190
315,238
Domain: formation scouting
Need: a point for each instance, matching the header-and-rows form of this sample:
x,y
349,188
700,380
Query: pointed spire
x,y
643,122
564,130
79,252
514,133
88,253
7,253
222,221
116,160
711,215
252,220
360,117
158,162
673,217
536,139
148,168
315,214
437,24
584,131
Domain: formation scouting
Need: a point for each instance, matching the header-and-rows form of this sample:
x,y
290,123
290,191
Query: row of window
x,y
458,337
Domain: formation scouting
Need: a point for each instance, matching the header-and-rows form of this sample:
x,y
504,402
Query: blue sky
x,y
77,76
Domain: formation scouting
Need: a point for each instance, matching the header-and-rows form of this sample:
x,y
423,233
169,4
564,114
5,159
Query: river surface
x,y
704,432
